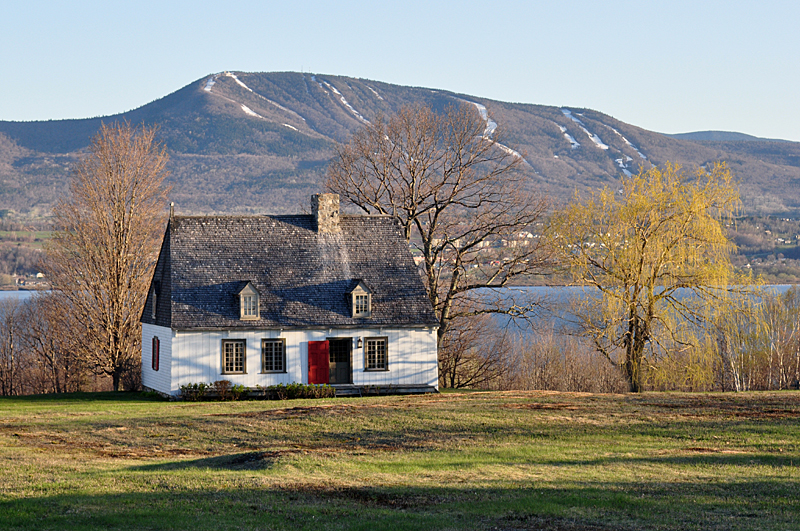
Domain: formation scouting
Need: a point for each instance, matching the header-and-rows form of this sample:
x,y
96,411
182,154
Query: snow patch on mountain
x,y
628,142
516,155
290,127
594,138
344,102
491,127
375,92
248,110
276,104
314,79
623,166
574,144
238,81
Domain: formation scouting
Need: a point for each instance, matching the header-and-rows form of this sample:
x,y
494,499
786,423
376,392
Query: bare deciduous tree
x,y
758,344
10,347
782,325
108,235
461,201
474,353
53,341
551,361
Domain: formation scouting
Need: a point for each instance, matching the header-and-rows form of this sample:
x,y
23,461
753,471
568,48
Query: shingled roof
x,y
302,275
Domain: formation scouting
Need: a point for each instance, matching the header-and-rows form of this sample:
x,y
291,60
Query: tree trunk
x,y
634,351
633,373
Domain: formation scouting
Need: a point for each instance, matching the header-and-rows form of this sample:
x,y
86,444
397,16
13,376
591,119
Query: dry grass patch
x,y
479,460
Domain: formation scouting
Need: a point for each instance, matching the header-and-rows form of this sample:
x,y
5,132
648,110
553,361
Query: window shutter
x,y
156,354
318,362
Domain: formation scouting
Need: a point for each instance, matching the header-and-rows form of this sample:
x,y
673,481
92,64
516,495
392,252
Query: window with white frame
x,y
375,354
361,305
273,355
249,306
233,356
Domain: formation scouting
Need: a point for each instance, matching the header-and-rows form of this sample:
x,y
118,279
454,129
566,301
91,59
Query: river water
x,y
22,295
555,301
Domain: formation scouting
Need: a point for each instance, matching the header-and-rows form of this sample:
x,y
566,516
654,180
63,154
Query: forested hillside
x,y
259,142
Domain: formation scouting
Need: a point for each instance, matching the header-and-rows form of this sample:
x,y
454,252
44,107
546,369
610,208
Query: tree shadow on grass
x,y
690,457
165,502
240,461
84,397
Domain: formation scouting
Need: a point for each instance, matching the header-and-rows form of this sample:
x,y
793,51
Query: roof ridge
x,y
262,216
200,216
366,216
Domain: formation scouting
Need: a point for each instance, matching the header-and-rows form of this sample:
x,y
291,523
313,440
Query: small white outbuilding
x,y
264,300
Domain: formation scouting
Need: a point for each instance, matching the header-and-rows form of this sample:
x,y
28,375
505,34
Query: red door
x,y
318,362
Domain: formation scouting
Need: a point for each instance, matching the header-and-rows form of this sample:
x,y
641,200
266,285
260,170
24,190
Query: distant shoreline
x,y
23,289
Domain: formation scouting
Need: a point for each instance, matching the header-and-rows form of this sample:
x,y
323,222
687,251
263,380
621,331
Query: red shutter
x,y
318,362
156,353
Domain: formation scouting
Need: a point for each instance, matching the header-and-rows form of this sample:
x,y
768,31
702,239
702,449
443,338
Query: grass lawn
x,y
507,461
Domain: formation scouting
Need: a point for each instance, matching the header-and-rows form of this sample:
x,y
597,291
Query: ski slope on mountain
x,y
259,142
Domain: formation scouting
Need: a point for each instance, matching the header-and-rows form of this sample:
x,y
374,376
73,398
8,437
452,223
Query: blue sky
x,y
666,66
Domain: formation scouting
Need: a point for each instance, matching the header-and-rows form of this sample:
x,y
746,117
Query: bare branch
x,y
108,234
460,199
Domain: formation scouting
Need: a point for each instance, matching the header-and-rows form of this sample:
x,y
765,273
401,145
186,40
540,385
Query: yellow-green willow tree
x,y
652,255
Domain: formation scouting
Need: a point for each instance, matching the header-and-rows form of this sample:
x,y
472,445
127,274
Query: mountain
x,y
722,136
259,142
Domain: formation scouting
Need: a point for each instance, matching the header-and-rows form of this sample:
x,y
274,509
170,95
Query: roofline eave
x,y
424,326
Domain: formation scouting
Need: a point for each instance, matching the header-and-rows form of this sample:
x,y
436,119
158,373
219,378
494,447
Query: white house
x,y
263,300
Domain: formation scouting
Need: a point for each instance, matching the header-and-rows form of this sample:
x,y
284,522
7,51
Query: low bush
x,y
194,391
222,389
225,390
297,390
239,391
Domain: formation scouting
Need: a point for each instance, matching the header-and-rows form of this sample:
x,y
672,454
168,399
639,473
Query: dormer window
x,y
249,308
360,299
361,304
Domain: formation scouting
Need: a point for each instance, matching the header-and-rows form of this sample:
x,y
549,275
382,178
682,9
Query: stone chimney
x,y
325,208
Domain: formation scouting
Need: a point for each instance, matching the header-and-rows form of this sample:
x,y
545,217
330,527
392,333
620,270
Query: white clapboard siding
x,y
411,359
197,357
159,380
